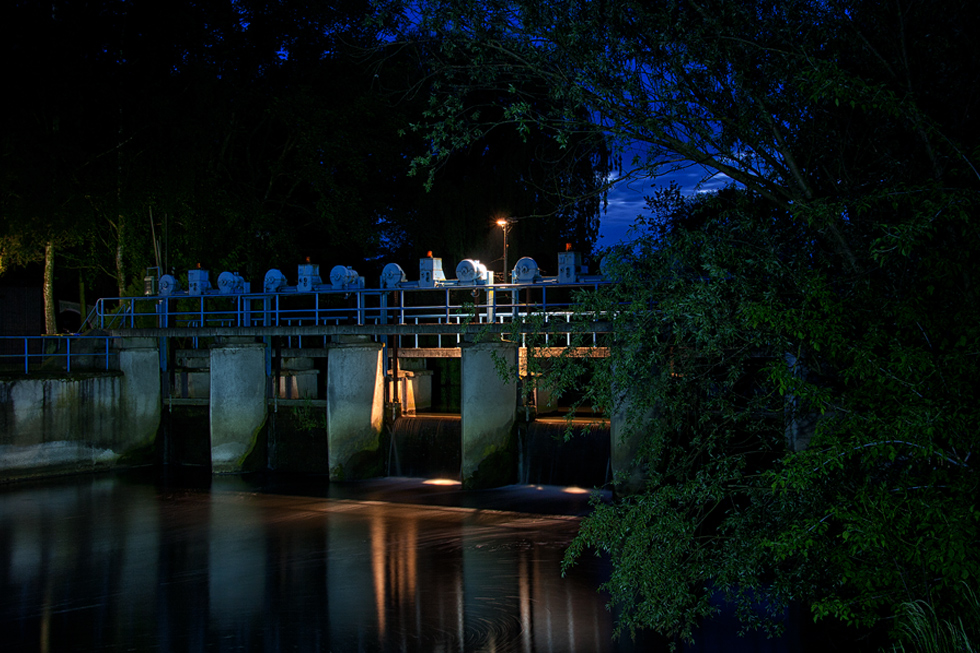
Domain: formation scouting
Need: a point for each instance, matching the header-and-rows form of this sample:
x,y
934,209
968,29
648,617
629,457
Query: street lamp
x,y
504,225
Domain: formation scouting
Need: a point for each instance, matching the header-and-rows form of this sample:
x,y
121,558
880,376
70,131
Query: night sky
x,y
626,199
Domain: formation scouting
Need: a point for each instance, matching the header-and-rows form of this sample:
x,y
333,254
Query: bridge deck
x,y
377,330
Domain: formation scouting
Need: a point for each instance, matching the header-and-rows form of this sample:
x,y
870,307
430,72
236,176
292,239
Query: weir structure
x,y
230,379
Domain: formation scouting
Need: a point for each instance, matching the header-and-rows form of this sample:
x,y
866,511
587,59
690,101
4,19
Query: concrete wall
x,y
355,408
82,421
489,411
238,407
626,434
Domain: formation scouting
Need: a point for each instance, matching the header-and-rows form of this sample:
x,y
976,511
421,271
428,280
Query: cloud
x,y
626,198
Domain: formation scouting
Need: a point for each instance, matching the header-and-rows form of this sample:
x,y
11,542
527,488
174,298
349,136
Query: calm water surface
x,y
108,563
112,563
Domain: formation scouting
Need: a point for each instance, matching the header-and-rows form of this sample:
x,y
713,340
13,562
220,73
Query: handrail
x,y
39,350
442,311
488,304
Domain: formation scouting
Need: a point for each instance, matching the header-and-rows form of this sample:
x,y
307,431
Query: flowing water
x,y
548,457
108,563
429,446
426,446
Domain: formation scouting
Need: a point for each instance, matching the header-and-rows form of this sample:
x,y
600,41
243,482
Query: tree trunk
x,y
50,316
82,308
120,259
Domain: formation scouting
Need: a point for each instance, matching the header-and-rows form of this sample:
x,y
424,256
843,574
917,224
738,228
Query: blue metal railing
x,y
446,305
27,353
443,305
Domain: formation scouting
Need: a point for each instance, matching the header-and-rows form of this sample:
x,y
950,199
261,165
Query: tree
x,y
254,135
799,356
551,192
798,445
251,130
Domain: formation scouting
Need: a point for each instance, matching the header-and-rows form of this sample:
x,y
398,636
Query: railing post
x,y
162,349
491,305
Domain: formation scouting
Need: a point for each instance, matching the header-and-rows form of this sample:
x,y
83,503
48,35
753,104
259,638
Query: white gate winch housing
x,y
168,285
343,277
470,271
430,272
308,277
231,283
526,271
392,276
197,282
275,281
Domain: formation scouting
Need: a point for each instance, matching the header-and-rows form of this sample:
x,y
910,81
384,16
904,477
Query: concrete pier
x,y
627,425
355,408
628,468
237,403
82,421
141,393
217,405
489,411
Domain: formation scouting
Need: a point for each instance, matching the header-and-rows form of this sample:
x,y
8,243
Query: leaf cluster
x,y
803,439
795,361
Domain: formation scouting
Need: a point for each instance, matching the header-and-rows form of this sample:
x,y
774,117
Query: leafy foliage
x,y
796,360
242,136
788,453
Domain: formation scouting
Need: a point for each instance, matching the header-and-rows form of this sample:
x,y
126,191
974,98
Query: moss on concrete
x,y
497,468
256,458
362,465
141,456
297,439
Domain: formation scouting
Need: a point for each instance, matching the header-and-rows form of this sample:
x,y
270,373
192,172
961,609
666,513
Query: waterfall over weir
x,y
548,459
429,446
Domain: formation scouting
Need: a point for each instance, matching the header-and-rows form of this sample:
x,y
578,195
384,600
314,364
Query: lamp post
x,y
504,225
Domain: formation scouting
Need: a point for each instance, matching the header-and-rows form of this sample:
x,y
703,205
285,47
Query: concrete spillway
x,y
228,412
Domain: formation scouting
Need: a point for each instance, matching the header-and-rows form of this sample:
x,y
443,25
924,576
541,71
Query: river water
x,y
106,563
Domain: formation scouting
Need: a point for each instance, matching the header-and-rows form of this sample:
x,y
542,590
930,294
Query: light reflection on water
x,y
101,563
